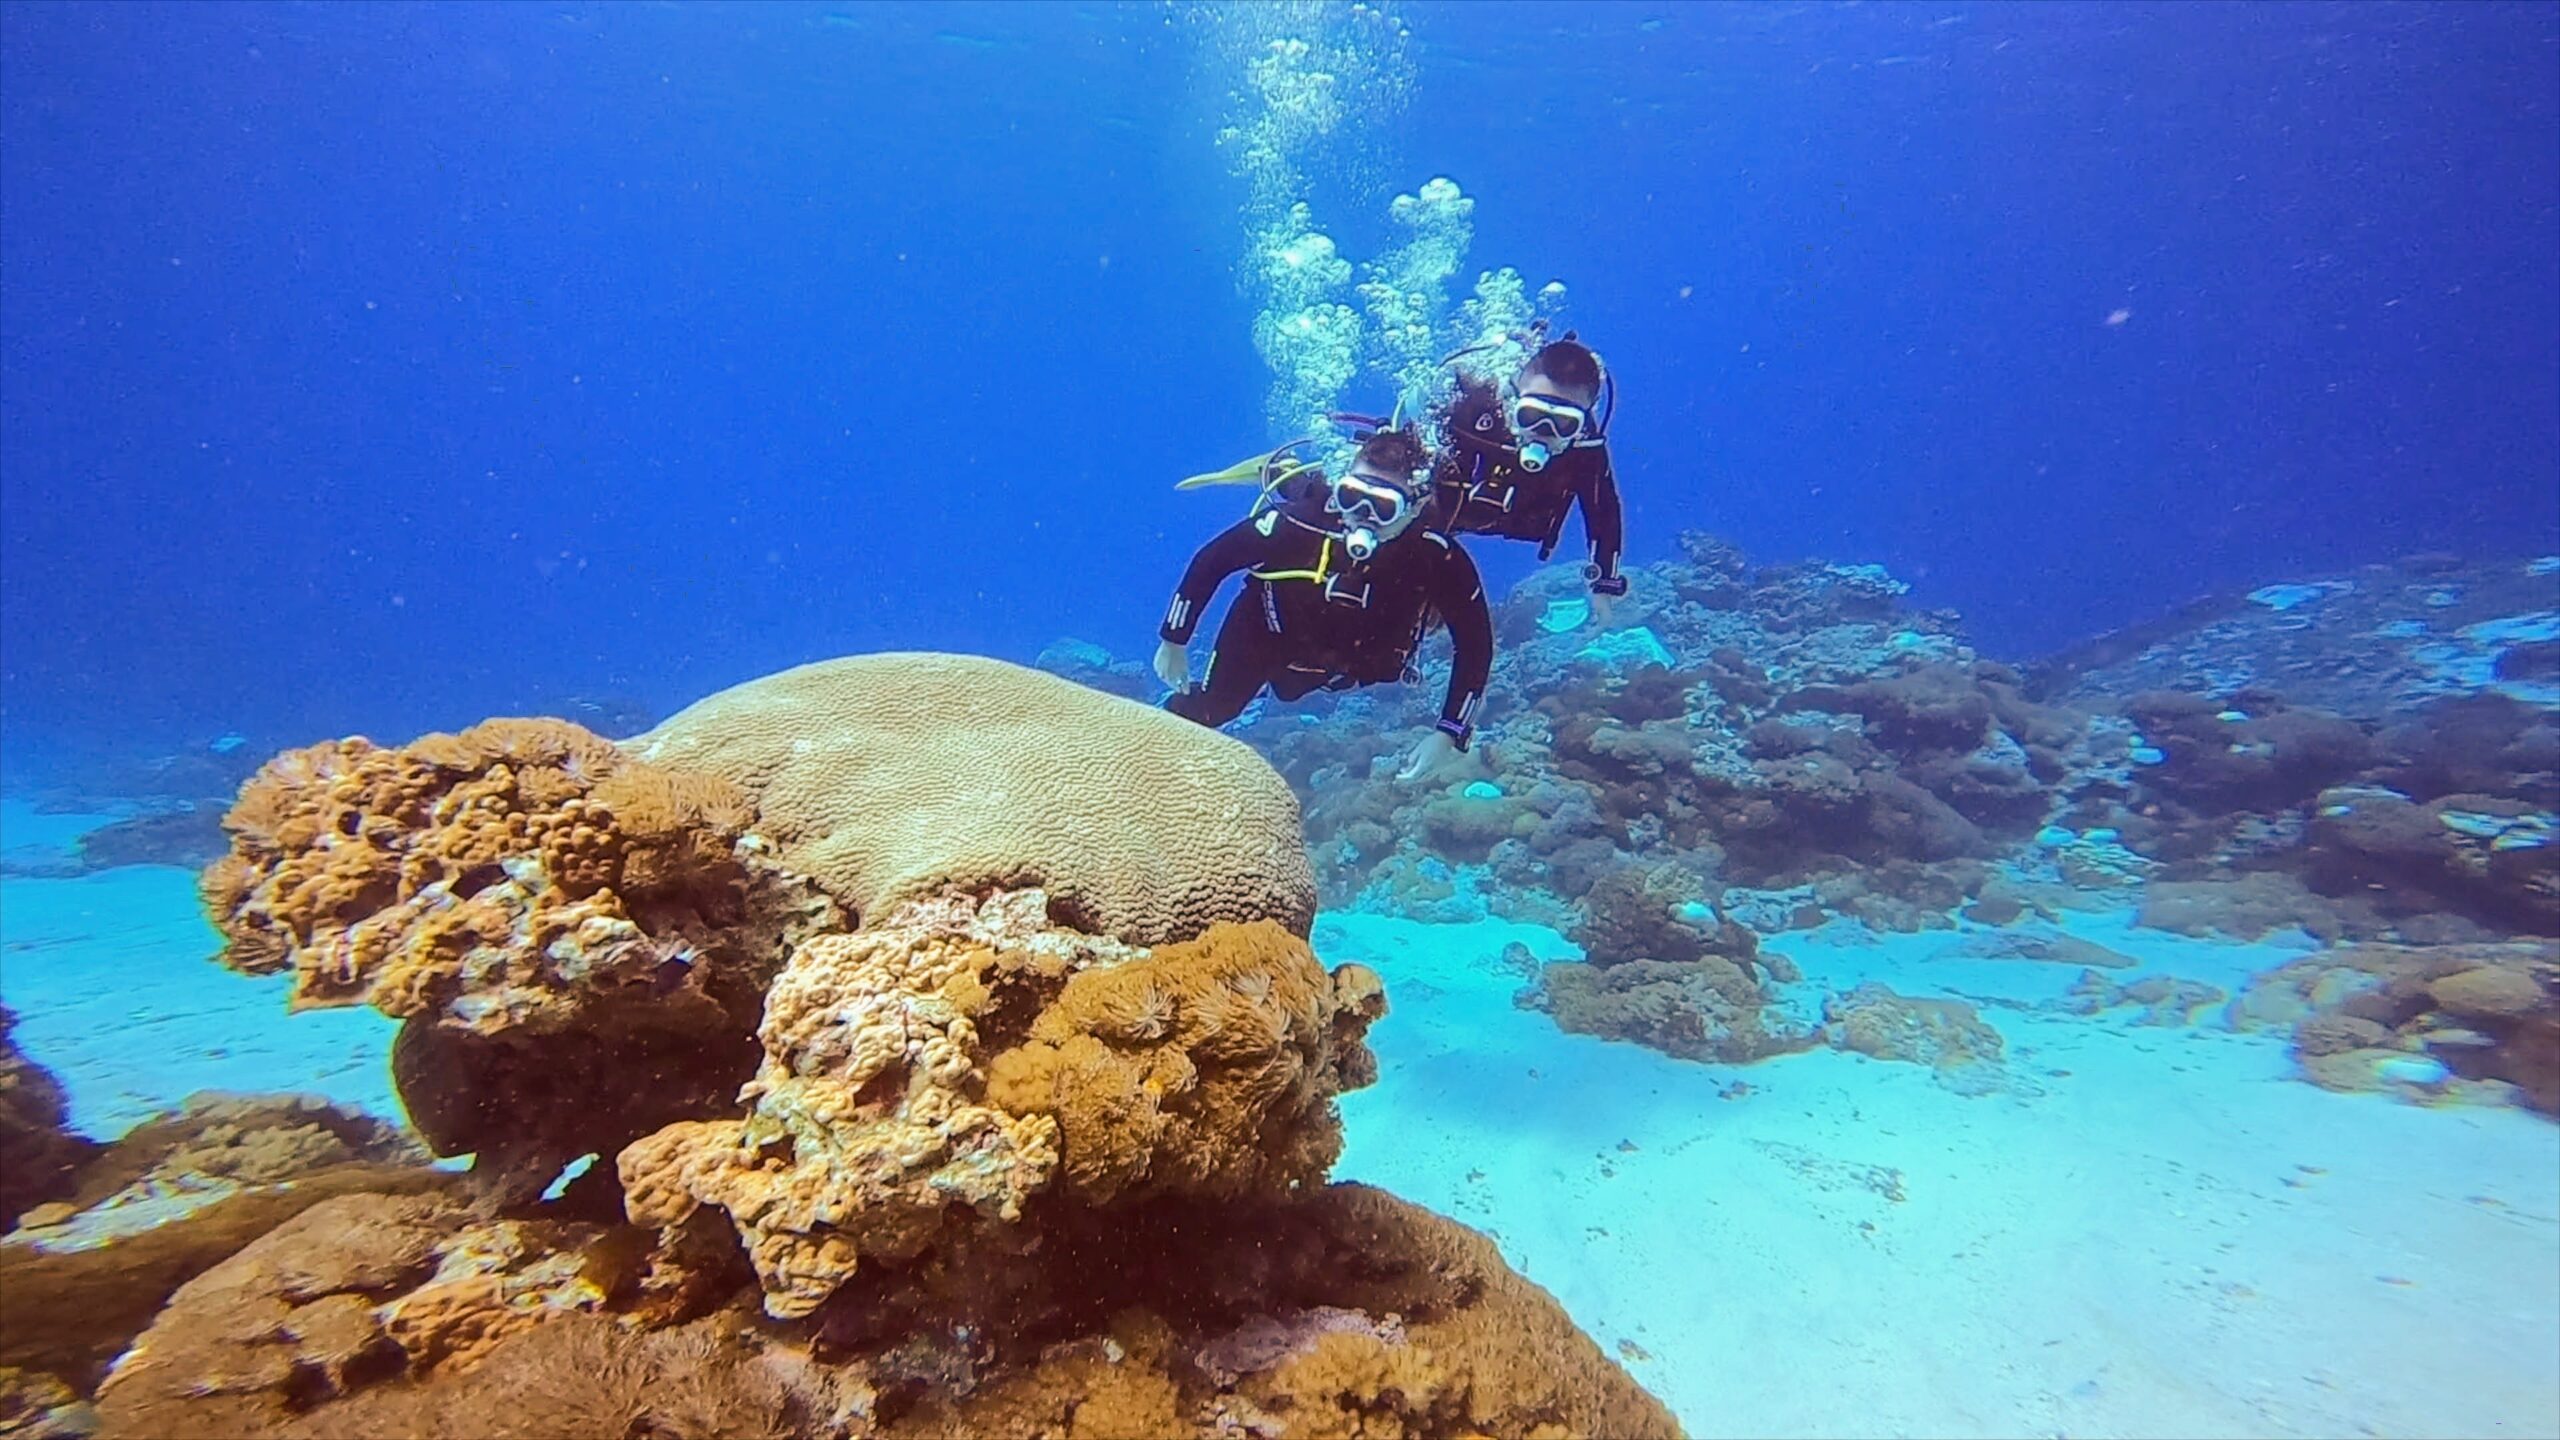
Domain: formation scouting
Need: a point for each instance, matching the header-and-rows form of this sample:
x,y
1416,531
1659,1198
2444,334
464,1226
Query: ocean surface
x,y
2037,913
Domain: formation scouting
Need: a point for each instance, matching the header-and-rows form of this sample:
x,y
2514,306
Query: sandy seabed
x,y
2157,1232
2153,1231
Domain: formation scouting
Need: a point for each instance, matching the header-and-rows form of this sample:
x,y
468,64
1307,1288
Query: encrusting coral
x,y
542,910
1948,1036
39,1153
1709,1008
172,1198
1344,1312
489,879
896,777
957,1058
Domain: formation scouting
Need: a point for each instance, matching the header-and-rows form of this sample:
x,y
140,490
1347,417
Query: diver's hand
x,y
1173,665
1601,605
1433,754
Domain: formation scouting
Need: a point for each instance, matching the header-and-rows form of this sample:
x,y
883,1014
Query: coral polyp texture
x,y
925,1078
897,777
578,942
490,879
946,1153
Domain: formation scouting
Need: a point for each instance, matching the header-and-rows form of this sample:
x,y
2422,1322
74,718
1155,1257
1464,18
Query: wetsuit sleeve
x,y
1459,597
1232,550
1604,524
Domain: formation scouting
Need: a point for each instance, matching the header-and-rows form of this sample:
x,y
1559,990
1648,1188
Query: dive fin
x,y
1251,470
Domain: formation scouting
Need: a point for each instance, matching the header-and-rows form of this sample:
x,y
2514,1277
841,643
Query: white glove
x,y
1435,751
1173,665
1601,605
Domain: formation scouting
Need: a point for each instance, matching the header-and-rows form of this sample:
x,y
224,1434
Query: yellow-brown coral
x,y
478,877
352,1291
1341,1312
491,1281
1204,1068
890,778
865,1127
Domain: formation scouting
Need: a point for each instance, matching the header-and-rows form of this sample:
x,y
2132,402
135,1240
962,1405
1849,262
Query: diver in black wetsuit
x,y
1516,470
1342,579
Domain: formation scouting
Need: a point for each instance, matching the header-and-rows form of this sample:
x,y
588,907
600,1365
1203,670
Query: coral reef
x,y
1756,732
172,1198
985,1170
2495,856
39,1153
578,942
947,1064
2427,1022
2164,1000
190,837
1091,666
187,834
1345,1312
889,778
1705,1009
2378,645
1946,1035
1794,737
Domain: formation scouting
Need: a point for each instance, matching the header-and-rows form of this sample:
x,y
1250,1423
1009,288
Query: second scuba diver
x,y
1516,470
1342,579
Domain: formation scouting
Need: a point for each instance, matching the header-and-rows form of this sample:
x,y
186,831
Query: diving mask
x,y
1364,499
1373,510
1549,417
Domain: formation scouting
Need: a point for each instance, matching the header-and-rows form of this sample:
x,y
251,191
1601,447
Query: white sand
x,y
2173,1238
116,992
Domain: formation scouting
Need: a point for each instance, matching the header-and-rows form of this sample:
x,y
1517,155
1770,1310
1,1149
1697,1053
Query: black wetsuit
x,y
1483,489
1309,619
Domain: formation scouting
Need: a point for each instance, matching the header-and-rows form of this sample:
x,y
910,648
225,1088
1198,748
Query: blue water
x,y
379,368
374,369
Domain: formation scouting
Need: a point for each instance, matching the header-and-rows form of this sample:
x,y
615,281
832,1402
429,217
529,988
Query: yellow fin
x,y
1247,471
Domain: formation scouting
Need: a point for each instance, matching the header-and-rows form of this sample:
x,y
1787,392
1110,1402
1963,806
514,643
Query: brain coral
x,y
896,777
962,1056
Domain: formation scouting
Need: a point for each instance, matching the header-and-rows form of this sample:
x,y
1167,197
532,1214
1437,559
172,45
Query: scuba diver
x,y
1516,470
1342,578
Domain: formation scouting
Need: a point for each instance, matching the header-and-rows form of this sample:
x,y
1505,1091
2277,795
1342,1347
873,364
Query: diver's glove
x,y
1173,665
1433,754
